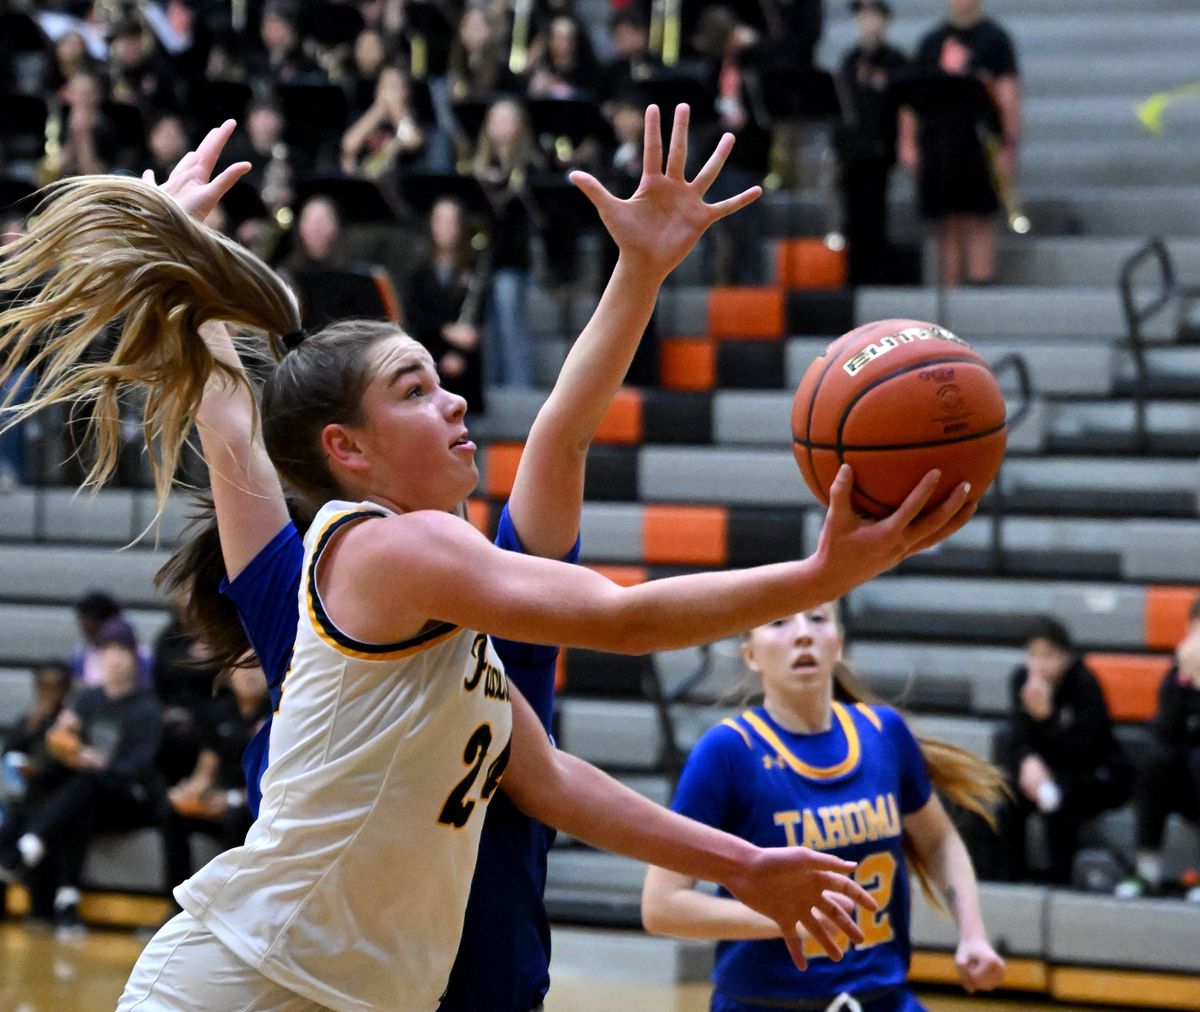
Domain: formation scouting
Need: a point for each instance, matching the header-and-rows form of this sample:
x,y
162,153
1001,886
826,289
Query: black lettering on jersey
x,y
458,807
495,684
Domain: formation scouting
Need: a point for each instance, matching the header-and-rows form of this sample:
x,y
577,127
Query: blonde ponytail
x,y
113,250
959,776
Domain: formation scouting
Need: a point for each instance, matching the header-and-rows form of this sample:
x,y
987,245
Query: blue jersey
x,y
844,791
503,960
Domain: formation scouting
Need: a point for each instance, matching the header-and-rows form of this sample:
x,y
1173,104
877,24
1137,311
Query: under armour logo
x,y
844,1003
773,762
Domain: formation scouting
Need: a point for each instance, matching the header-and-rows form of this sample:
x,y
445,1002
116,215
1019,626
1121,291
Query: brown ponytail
x,y
115,250
957,775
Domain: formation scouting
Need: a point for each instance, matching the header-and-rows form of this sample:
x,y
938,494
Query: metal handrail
x,y
671,755
999,505
1136,316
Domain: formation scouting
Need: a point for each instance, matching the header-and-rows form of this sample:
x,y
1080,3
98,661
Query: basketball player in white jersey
x,y
383,749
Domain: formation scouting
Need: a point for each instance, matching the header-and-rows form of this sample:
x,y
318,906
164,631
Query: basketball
x,y
895,399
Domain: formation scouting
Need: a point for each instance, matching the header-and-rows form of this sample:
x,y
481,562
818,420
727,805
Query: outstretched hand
x,y
795,884
658,226
855,550
189,181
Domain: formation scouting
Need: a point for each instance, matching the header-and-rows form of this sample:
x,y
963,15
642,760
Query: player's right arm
x,y
451,573
246,491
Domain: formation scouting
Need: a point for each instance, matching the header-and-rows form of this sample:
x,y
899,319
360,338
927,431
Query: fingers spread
x,y
230,176
677,153
943,514
822,936
726,207
712,168
210,148
917,499
838,920
795,947
960,520
844,884
652,158
592,188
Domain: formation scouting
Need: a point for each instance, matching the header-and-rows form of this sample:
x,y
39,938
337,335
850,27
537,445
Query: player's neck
x,y
967,20
807,712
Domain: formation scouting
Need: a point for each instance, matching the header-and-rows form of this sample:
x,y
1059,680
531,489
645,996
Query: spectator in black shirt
x,y
1065,762
866,140
567,67
631,62
955,182
108,737
1169,779
443,304
211,800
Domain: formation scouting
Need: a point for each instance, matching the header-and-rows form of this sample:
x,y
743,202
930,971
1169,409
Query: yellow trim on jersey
x,y
871,715
329,634
730,722
853,746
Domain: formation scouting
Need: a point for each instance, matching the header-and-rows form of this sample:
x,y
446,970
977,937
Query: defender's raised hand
x,y
189,182
658,226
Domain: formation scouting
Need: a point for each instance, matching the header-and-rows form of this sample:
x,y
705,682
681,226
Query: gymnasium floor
x,y
86,975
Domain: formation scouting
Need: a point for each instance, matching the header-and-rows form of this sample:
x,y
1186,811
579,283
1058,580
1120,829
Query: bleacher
x,y
1089,525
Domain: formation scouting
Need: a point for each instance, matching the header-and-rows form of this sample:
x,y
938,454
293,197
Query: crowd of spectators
x,y
117,739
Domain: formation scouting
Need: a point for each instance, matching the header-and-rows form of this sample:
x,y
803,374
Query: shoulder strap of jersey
x,y
323,625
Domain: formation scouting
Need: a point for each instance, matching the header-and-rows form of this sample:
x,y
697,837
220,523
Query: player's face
x,y
413,449
797,652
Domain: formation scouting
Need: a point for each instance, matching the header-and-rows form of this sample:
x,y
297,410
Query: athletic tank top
x,y
351,886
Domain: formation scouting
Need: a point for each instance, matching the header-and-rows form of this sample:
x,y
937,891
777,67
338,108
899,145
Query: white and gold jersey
x,y
351,886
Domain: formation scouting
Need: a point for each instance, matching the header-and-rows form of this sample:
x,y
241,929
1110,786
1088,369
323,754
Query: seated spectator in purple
x,y
107,737
1168,779
100,621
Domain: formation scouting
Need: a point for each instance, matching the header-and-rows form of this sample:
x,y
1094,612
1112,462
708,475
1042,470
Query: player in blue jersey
x,y
817,765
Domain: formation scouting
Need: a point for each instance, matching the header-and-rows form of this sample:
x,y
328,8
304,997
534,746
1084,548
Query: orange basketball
x,y
895,399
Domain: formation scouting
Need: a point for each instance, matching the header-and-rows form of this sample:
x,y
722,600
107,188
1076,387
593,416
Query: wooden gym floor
x,y
41,974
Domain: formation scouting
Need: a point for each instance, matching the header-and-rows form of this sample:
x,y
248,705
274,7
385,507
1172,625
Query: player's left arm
x,y
654,230
945,855
787,884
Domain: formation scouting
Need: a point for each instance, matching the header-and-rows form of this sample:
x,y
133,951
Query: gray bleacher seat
x,y
611,532
510,413
1143,934
16,693
133,861
104,518
1081,260
1098,614
1162,550
752,417
627,956
625,733
58,573
976,677
1134,211
33,633
740,476
975,734
1115,831
683,311
1014,915
18,515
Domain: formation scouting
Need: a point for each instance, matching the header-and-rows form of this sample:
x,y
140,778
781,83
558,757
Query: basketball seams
x,y
927,444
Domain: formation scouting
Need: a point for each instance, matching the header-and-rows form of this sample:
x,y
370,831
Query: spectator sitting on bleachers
x,y
183,683
211,800
387,135
567,67
100,620
108,737
436,310
505,157
478,63
30,772
1064,760
1169,779
284,60
631,61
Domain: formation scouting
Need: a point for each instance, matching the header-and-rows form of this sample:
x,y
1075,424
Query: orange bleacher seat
x,y
752,313
688,364
809,263
477,515
622,423
1130,683
500,468
626,576
1167,611
685,535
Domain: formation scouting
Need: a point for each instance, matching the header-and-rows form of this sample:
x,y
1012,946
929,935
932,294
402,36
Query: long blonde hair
x,y
115,250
